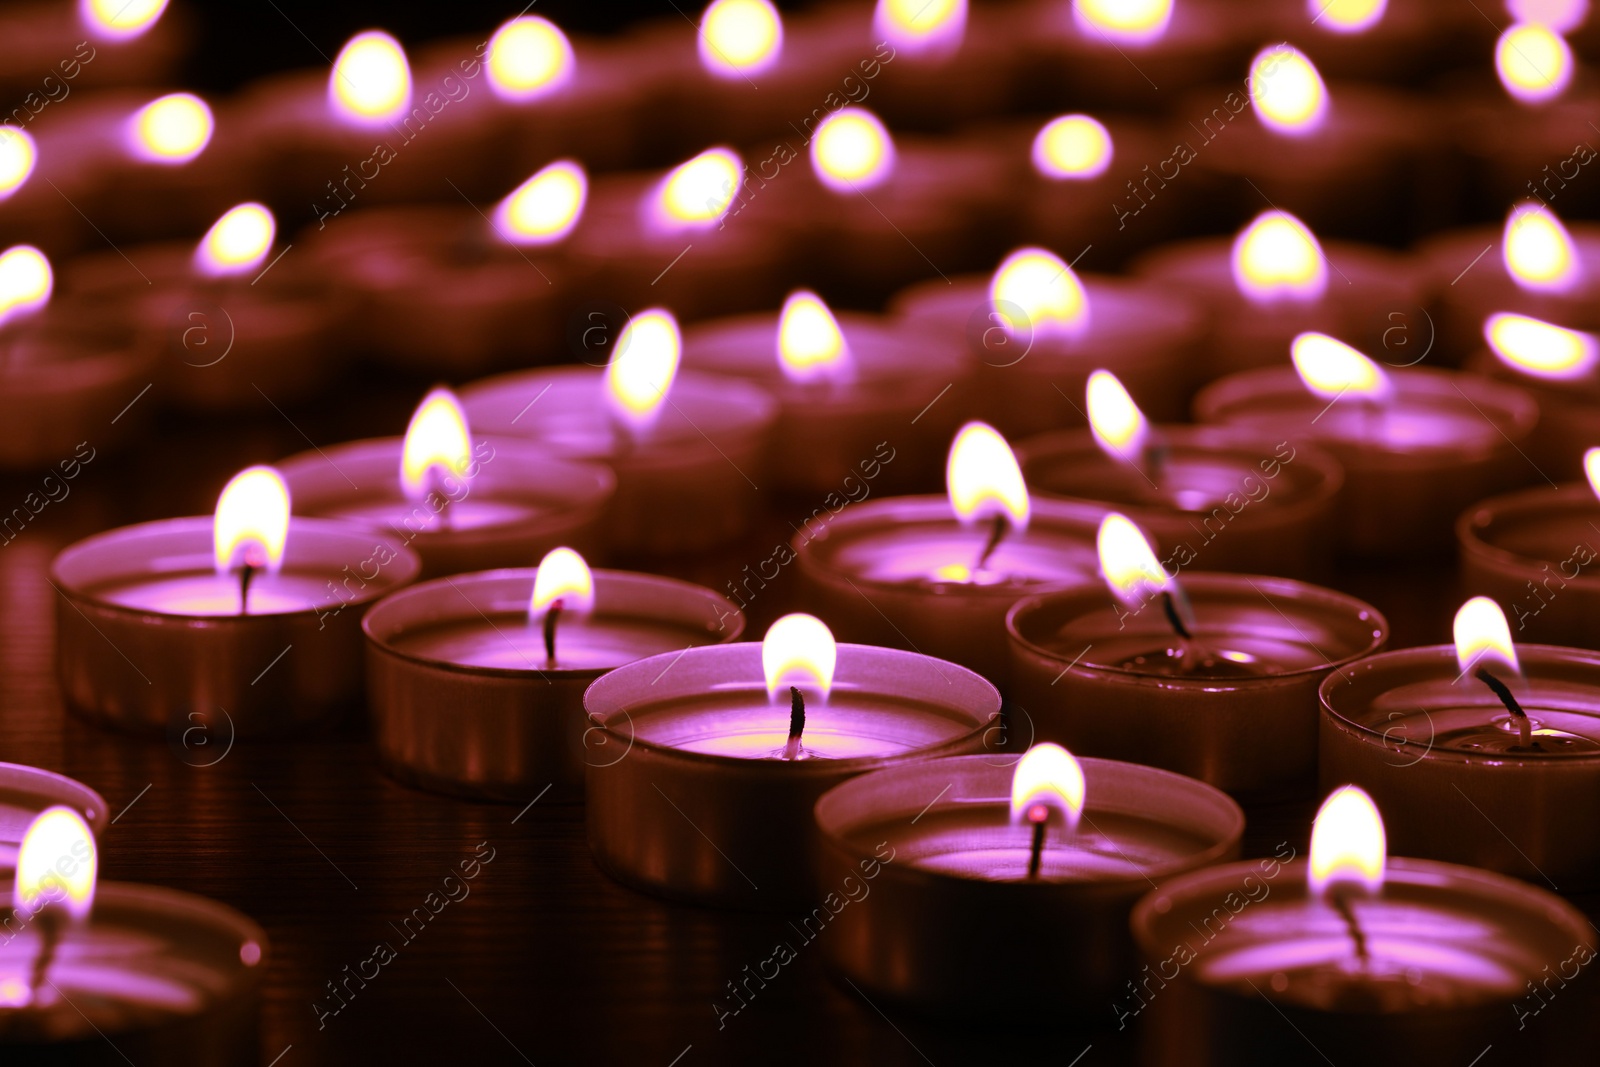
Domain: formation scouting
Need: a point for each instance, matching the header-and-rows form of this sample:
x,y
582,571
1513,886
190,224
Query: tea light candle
x,y
1214,677
200,612
480,645
936,574
1364,957
1035,331
461,504
842,384
1418,446
1465,746
26,792
1062,847
1216,497
729,747
1557,367
686,448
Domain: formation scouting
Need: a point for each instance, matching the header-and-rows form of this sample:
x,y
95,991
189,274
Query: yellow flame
x,y
851,150
18,154
1119,427
1072,146
1563,16
1591,468
436,441
642,368
1346,16
1481,632
1127,561
1348,844
528,58
1048,774
1036,295
26,281
562,576
696,193
120,19
1537,250
1277,257
56,864
1287,91
810,344
238,242
1534,62
921,25
1539,348
983,479
1130,21
1331,369
545,208
739,37
171,129
799,644
371,81
252,521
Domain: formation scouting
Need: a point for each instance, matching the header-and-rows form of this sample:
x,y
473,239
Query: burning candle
x,y
1061,846
1434,733
510,653
157,973
202,610
729,747
1215,497
846,386
1214,676
1418,446
936,574
1557,366
1362,957
27,792
686,448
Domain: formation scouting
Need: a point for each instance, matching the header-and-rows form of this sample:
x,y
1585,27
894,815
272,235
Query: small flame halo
x,y
544,209
799,644
1541,349
1048,774
57,865
983,478
562,575
529,57
1348,843
251,525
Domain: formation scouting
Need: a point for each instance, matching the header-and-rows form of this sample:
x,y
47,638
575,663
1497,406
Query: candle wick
x,y
1039,816
1341,904
1169,605
1520,717
797,723
997,533
50,930
1155,459
552,616
246,574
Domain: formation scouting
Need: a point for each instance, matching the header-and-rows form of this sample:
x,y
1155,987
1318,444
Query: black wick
x,y
552,616
1039,816
246,574
1520,717
1174,617
797,723
1341,903
996,534
50,930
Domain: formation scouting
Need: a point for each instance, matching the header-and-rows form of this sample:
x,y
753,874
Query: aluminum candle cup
x,y
697,803
1242,965
463,699
1444,441
182,653
163,976
1441,758
682,486
1543,149
935,847
1224,499
897,572
1534,552
1569,411
1106,681
518,503
27,791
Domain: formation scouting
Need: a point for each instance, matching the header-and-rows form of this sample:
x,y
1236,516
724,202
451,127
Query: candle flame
x,y
171,129
371,80
1119,427
1481,632
529,57
1534,62
18,154
1074,147
1537,250
1541,349
563,576
1346,16
57,865
983,479
1048,774
251,526
921,26
740,37
1331,369
1348,845
1287,91
1127,562
851,150
810,344
544,209
799,644
436,441
120,19
643,367
1563,16
1035,294
238,242
695,194
26,281
1276,257
1591,468
1126,21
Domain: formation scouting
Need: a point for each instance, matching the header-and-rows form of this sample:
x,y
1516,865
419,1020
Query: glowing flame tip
x,y
1128,563
983,478
1332,369
529,57
1481,632
57,864
370,83
852,150
740,37
18,155
544,209
643,367
1276,257
1048,774
1287,91
1541,349
251,525
1348,844
1036,294
171,129
1534,62
799,644
1135,22
26,281
925,27
238,242
562,576
1075,147
1119,427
